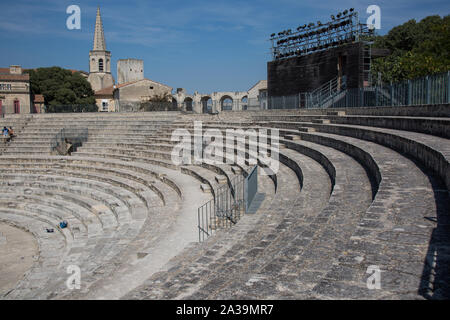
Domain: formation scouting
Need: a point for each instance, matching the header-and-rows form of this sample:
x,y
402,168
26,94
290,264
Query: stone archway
x,y
244,102
207,104
226,103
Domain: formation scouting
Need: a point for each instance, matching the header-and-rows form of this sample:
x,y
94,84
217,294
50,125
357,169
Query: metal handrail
x,y
76,136
429,90
226,208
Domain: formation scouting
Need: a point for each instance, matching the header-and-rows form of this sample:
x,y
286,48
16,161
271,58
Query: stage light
x,y
308,38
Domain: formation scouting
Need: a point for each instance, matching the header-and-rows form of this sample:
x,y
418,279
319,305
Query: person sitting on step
x,y
11,133
5,133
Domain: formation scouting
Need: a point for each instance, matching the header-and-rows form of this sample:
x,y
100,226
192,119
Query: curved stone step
x,y
141,172
135,206
285,189
51,252
144,193
104,214
428,125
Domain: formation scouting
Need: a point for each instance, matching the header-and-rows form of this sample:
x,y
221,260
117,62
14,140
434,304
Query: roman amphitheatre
x,y
355,187
93,205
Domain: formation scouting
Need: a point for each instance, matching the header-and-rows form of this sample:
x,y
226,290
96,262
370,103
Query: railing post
x,y
448,87
361,97
332,101
320,100
428,80
376,96
392,94
409,93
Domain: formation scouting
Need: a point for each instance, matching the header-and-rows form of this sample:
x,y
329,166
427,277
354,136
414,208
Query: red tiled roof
x,y
125,84
4,70
80,71
39,98
25,77
105,91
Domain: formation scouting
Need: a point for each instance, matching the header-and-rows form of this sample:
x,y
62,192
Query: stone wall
x,y
129,70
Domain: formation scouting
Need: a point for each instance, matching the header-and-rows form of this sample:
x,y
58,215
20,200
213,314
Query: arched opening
x,y
244,103
206,104
100,65
226,103
188,104
174,104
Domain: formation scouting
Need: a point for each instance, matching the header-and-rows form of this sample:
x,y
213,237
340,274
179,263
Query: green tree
x,y
62,87
417,49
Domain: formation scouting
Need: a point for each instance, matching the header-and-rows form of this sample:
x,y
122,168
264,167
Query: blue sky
x,y
199,45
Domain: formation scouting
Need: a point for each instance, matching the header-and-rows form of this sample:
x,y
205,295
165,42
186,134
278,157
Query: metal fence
x,y
73,136
231,201
430,90
71,108
255,104
139,106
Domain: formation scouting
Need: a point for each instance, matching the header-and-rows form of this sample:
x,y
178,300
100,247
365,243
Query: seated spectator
x,y
5,133
11,133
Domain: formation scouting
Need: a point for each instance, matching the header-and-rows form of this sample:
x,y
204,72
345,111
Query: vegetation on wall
x,y
159,102
417,49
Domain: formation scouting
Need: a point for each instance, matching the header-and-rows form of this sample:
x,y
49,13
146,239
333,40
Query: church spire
x,y
99,36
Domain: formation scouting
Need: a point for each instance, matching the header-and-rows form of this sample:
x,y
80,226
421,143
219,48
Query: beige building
x,y
105,99
257,96
129,96
14,91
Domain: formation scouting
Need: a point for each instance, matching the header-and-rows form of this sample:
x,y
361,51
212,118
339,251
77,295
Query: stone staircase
x,y
352,191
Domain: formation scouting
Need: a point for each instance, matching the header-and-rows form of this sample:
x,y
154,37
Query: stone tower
x,y
129,70
99,59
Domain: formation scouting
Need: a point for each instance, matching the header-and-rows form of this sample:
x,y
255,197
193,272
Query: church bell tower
x,y
100,59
